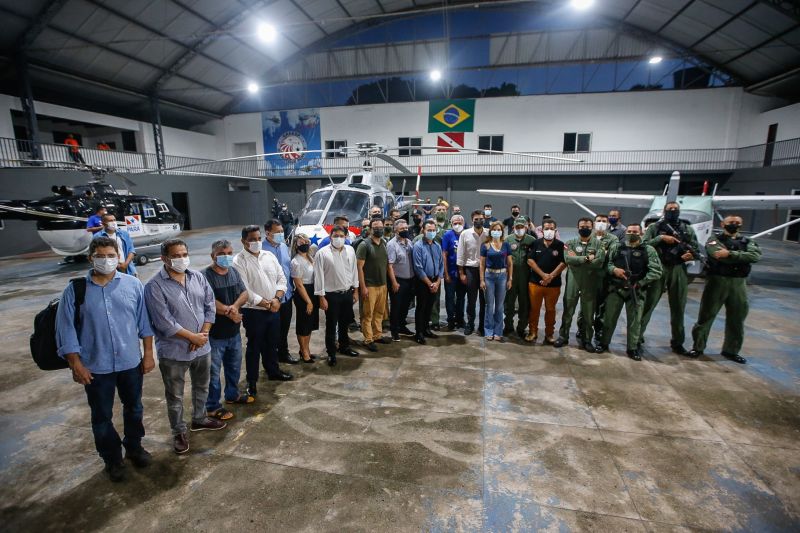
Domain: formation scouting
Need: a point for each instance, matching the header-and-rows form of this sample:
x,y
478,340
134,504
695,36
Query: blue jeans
x,y
100,393
225,353
455,294
495,302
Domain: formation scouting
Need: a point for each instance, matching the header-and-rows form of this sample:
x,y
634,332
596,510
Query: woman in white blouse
x,y
306,303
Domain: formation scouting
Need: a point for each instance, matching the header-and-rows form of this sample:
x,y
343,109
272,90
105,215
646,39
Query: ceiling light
x,y
252,87
655,60
267,32
436,75
582,4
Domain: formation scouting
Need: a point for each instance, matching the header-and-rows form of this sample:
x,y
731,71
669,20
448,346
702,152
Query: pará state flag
x,y
449,142
451,115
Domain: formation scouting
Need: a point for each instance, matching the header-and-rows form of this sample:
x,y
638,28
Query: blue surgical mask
x,y
496,234
277,238
430,235
224,261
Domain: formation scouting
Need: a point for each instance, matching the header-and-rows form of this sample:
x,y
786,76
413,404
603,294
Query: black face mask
x,y
477,223
403,233
613,220
733,229
584,232
672,215
377,232
515,213
303,248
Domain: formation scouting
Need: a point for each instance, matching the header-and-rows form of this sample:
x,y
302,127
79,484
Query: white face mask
x,y
519,232
105,265
179,264
601,226
337,242
549,234
111,226
254,247
487,212
496,234
458,227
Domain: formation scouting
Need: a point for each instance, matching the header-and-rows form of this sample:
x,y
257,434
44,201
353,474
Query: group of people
x,y
493,271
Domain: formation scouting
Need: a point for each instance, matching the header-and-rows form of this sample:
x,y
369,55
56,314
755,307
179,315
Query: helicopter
x,y
61,218
696,210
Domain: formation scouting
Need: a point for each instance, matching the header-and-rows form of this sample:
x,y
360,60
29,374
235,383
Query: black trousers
x,y
337,319
399,303
262,329
474,292
286,322
422,313
100,394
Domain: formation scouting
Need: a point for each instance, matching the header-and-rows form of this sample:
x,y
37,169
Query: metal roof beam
x,y
763,43
40,22
727,21
677,14
309,17
789,8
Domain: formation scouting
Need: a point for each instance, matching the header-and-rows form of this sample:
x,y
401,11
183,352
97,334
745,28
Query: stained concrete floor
x,y
457,435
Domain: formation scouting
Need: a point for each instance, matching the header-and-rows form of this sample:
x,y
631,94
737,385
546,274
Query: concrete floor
x,y
456,435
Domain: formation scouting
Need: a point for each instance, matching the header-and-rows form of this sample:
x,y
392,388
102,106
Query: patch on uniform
x,y
555,253
712,242
637,254
514,246
579,249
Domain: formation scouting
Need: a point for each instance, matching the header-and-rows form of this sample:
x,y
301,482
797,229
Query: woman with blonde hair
x,y
496,277
306,303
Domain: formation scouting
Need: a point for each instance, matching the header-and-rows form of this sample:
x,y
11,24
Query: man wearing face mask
x,y
440,217
538,231
125,249
517,300
487,215
454,291
429,270
181,306
546,261
615,225
512,220
224,337
585,258
274,242
468,259
401,279
607,241
265,282
343,221
373,262
730,258
632,267
102,349
439,214
676,244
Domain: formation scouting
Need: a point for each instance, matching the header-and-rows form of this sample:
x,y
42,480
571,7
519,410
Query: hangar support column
x,y
158,135
26,97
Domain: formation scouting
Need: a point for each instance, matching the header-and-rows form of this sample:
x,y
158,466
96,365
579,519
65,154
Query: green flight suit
x,y
726,285
618,297
519,283
583,280
608,241
674,281
435,310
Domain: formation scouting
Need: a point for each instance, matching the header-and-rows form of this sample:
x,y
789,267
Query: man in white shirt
x,y
265,282
468,259
336,284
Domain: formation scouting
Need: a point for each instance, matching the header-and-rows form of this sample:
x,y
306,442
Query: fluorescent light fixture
x,y
582,4
436,75
267,32
655,60
252,87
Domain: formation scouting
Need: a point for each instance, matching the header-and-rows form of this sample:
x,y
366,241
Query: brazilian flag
x,y
451,115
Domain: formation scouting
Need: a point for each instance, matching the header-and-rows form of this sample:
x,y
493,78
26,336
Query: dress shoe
x,y
561,341
430,334
601,348
384,340
678,349
734,357
468,331
332,360
371,346
289,359
180,443
141,458
420,339
449,327
634,354
281,376
405,331
116,471
589,347
348,351
694,354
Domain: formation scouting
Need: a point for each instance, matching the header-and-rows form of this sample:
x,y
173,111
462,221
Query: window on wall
x,y
490,142
334,145
577,142
409,142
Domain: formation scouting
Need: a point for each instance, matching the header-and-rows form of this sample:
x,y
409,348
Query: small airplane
x,y
61,218
697,210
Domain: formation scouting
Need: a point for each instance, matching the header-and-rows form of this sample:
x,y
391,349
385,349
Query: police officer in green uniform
x,y
607,241
520,243
730,257
632,267
585,257
676,244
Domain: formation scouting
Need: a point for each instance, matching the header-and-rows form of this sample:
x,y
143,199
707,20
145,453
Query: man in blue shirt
x,y
103,351
181,306
125,248
274,243
455,292
429,269
95,222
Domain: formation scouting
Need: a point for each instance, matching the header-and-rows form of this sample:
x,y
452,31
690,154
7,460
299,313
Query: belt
x,y
496,270
345,291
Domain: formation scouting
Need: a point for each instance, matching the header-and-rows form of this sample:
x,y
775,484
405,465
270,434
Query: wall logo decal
x,y
289,133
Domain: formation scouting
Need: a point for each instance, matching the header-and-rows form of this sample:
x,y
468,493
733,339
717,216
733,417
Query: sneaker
x,y
208,424
116,471
180,443
531,338
140,458
405,331
395,337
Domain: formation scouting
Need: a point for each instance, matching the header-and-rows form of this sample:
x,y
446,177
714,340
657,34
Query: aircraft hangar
x,y
194,119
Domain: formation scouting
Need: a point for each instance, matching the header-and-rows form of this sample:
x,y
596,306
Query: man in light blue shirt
x,y
274,243
181,306
102,348
429,269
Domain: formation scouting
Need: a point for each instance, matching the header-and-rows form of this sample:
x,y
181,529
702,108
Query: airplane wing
x,y
567,197
782,201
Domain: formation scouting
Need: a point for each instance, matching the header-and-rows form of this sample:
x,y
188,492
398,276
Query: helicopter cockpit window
x,y
377,201
314,206
351,203
162,207
135,208
149,210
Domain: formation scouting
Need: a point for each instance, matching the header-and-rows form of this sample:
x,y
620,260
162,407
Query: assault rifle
x,y
682,247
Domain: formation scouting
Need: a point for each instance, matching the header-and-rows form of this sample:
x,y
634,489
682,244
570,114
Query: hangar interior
x,y
181,92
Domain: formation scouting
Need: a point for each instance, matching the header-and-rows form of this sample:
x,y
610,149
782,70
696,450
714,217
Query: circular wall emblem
x,y
289,144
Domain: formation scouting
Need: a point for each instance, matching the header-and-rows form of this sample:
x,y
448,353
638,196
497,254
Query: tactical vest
x,y
637,263
730,270
670,254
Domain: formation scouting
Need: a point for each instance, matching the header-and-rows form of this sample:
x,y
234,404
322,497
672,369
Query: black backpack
x,y
43,340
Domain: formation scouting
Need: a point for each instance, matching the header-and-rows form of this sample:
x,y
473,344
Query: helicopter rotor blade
x,y
392,161
42,214
240,158
499,152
